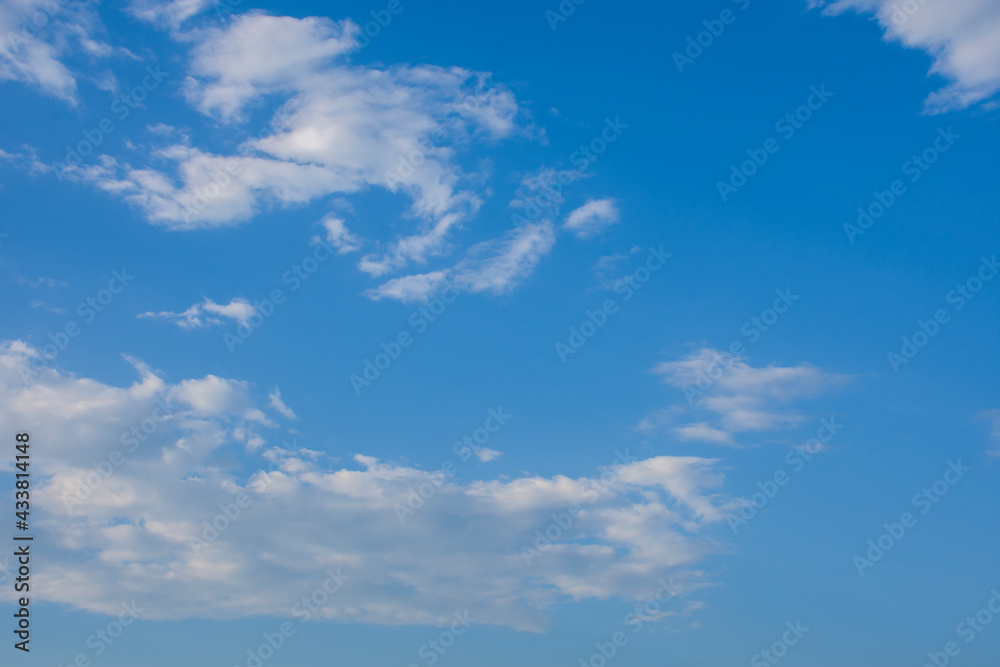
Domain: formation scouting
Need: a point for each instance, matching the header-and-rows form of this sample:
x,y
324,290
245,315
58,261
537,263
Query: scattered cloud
x,y
168,13
339,236
134,531
200,315
704,433
485,454
495,266
41,305
592,218
40,282
279,405
962,36
735,396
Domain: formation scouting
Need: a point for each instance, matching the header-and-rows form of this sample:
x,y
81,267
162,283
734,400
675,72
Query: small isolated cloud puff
x,y
147,526
963,37
198,316
485,454
339,236
592,218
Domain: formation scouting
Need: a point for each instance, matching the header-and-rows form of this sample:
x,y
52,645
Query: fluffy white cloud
x,y
130,527
593,217
963,37
341,129
738,396
199,315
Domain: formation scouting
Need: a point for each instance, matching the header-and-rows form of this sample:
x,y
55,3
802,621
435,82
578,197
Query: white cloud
x,y
739,397
963,37
462,550
343,129
279,405
171,13
198,316
33,55
339,236
485,454
495,266
498,266
592,218
704,433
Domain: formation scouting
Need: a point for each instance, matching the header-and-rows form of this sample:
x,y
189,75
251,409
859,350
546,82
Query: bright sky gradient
x,y
500,329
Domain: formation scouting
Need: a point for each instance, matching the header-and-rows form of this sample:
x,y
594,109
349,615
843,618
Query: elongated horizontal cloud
x,y
963,37
206,314
736,396
171,459
495,266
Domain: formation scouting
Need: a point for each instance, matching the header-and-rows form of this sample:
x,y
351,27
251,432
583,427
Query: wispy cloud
x,y
593,217
207,314
736,396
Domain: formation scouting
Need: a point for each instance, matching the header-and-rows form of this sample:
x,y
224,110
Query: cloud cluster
x,y
187,450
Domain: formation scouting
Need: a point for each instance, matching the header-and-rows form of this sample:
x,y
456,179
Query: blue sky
x,y
543,315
